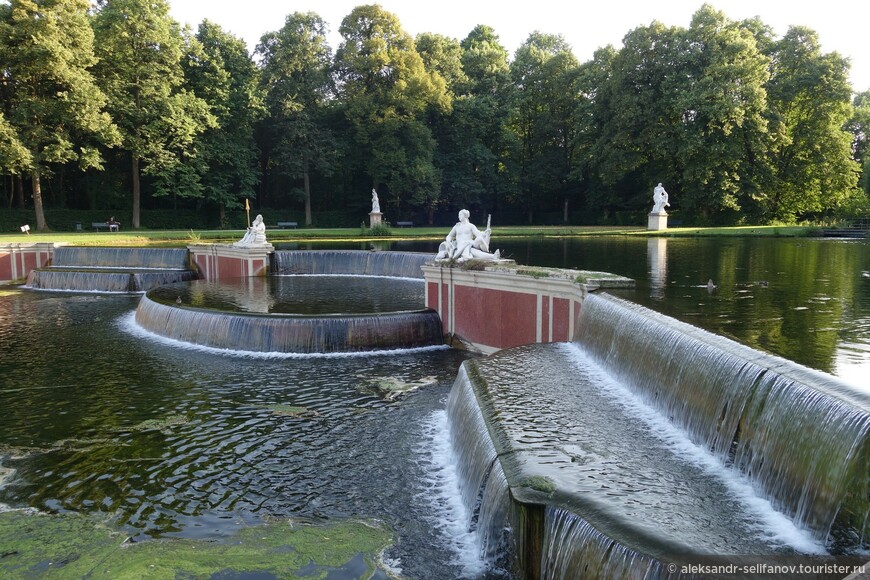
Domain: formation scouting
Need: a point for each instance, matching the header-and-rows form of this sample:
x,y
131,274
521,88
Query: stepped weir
x,y
648,442
314,302
352,262
85,269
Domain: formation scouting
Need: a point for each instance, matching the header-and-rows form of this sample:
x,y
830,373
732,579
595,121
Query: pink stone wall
x,y
223,262
492,310
18,260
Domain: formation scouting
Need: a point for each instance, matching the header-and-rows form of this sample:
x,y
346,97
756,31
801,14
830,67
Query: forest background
x,y
116,109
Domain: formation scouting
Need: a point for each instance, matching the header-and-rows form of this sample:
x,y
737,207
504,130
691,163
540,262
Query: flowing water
x,y
113,270
294,314
184,442
188,442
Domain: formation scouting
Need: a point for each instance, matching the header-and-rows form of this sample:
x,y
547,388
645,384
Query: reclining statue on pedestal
x,y
465,242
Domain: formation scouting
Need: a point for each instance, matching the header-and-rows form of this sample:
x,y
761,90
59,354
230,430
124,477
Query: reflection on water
x,y
805,299
177,442
298,294
657,257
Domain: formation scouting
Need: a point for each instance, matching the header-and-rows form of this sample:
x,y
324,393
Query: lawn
x,y
180,238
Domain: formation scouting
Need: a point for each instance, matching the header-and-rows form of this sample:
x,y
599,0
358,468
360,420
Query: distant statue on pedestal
x,y
255,236
465,242
375,214
660,197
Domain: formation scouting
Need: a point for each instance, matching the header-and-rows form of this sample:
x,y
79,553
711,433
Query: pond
x,y
804,299
181,442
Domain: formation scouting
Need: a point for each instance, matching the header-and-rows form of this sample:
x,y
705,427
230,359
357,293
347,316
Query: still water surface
x,y
181,442
805,299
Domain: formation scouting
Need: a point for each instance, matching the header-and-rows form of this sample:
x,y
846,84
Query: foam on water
x,y
127,323
774,527
441,492
73,291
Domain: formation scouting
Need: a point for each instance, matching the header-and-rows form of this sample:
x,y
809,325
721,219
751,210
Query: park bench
x,y
105,226
285,225
405,224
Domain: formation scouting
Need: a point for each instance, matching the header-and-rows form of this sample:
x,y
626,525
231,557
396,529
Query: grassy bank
x,y
182,238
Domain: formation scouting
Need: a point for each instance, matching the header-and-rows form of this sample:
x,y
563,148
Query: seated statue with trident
x,y
465,241
255,235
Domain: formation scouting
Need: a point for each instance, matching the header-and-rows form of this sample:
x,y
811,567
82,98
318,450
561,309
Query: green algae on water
x,y
293,411
163,425
391,388
76,546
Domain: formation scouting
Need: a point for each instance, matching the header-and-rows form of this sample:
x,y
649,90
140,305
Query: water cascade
x,y
358,262
88,269
483,485
649,441
160,258
293,314
798,434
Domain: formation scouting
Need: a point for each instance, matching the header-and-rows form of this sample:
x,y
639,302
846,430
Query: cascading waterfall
x,y
98,257
85,269
575,549
356,262
800,435
105,281
483,484
649,442
288,333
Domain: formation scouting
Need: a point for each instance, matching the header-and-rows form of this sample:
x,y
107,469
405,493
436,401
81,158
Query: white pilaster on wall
x,y
550,313
539,316
451,303
571,318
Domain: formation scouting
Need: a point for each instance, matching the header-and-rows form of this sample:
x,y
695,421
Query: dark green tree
x,y
545,72
724,140
141,49
859,127
384,91
296,79
444,56
685,107
481,147
14,156
593,115
225,77
810,103
55,108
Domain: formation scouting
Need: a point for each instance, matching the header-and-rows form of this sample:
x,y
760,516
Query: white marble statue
x,y
376,205
465,242
660,197
256,234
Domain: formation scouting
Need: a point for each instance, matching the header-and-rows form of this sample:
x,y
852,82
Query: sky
x,y
587,25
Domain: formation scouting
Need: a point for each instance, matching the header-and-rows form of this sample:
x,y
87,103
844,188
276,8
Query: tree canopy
x,y
741,126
